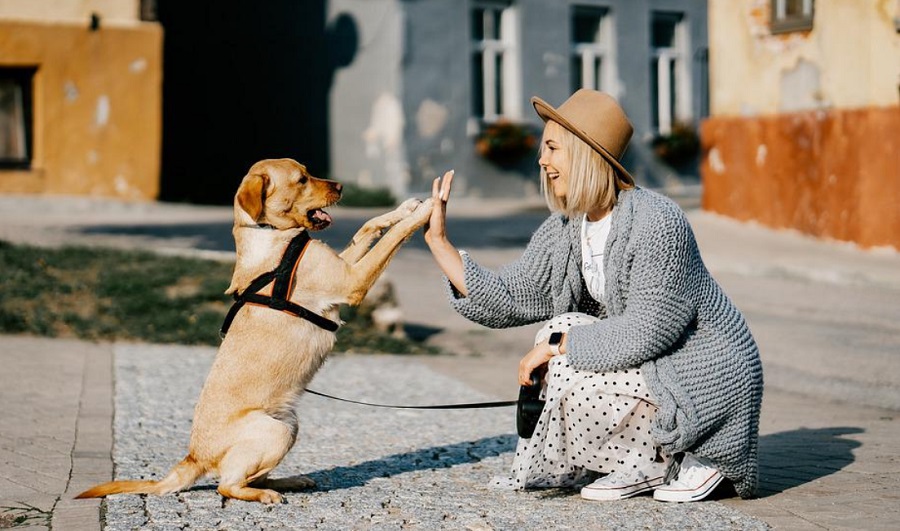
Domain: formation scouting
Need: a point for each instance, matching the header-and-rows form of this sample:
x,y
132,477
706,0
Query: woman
x,y
652,376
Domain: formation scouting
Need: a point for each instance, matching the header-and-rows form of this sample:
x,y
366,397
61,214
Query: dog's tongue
x,y
321,216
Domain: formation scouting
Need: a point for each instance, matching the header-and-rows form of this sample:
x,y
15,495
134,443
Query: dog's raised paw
x,y
423,209
409,206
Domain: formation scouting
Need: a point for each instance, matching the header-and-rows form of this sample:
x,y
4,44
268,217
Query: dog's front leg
x,y
370,266
374,228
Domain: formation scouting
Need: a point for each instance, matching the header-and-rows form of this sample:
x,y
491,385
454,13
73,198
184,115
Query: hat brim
x,y
547,112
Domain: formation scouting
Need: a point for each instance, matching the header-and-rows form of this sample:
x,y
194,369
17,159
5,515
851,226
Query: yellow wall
x,y
97,108
804,131
115,11
849,59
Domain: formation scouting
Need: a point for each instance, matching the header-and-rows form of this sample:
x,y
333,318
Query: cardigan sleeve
x,y
659,307
516,294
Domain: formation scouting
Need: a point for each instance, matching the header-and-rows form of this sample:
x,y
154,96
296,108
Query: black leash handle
x,y
475,405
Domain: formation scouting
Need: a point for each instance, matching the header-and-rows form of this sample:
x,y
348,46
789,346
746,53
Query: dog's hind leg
x,y
264,443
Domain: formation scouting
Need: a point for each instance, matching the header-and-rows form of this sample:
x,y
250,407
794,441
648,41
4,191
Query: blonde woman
x,y
652,379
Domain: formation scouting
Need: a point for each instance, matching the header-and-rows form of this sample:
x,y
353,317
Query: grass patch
x,y
354,195
106,294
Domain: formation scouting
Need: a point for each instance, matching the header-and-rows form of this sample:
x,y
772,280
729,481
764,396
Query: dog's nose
x,y
338,186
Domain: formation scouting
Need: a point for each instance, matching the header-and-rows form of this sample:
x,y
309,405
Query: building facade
x,y
432,85
80,98
804,130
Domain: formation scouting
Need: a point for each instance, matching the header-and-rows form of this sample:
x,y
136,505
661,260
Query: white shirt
x,y
593,244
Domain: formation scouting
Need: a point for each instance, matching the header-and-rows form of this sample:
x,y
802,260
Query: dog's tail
x,y
181,477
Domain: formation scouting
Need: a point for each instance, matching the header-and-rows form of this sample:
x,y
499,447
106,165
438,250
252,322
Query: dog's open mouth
x,y
319,218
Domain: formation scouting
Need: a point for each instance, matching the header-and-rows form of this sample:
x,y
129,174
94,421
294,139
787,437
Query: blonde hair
x,y
593,182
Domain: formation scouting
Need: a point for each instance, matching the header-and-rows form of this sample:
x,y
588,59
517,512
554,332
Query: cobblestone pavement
x,y
375,468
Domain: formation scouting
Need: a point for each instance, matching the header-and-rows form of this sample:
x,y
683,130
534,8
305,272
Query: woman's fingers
x,y
440,190
436,189
536,358
445,183
526,367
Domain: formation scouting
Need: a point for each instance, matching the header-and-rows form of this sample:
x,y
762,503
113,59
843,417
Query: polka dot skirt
x,y
591,422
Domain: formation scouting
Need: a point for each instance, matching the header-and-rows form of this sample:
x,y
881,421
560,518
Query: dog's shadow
x,y
432,458
792,458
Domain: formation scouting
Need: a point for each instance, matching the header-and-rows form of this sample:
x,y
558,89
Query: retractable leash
x,y
528,407
472,405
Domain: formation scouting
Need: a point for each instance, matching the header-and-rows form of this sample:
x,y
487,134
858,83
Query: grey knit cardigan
x,y
662,312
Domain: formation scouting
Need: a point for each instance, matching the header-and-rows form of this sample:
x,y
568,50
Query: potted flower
x,y
678,148
504,142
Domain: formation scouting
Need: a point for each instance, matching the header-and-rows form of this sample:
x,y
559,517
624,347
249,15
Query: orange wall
x,y
832,174
97,108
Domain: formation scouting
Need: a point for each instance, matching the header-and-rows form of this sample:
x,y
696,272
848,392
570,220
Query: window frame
x,y
23,77
603,48
677,55
501,84
780,22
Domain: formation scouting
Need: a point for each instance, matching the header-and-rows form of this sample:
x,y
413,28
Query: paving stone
x,y
374,468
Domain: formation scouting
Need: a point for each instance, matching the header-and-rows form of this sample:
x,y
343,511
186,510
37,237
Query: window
x,y
495,85
593,60
792,15
15,117
669,71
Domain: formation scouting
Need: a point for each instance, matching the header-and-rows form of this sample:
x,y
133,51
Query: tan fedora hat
x,y
596,118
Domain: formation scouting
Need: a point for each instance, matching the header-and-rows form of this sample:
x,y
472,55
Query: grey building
x,y
429,85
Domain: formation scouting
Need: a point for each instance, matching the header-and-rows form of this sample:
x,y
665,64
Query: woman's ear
x,y
251,196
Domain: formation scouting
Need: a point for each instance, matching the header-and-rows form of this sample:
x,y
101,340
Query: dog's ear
x,y
251,196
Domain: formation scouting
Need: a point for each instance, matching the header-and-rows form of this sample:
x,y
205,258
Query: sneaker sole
x,y
614,494
689,495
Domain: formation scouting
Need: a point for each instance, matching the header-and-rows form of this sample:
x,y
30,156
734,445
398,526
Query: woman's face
x,y
555,159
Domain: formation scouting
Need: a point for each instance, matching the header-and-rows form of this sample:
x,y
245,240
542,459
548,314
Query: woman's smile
x,y
555,159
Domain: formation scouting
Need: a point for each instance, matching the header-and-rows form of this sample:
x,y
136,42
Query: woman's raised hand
x,y
436,231
445,254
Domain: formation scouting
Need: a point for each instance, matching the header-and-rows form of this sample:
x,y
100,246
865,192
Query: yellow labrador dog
x,y
244,422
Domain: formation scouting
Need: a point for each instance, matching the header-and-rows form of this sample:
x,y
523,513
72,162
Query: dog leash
x,y
473,405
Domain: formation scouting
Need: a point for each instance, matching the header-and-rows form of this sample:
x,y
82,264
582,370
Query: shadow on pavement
x,y
787,460
468,232
204,236
436,457
420,332
792,458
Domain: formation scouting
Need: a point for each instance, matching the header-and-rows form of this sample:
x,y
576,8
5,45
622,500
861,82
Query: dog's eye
x,y
302,179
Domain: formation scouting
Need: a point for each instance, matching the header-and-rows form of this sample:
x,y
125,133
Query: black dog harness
x,y
283,275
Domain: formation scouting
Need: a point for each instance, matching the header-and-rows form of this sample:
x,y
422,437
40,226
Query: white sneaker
x,y
618,486
695,481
